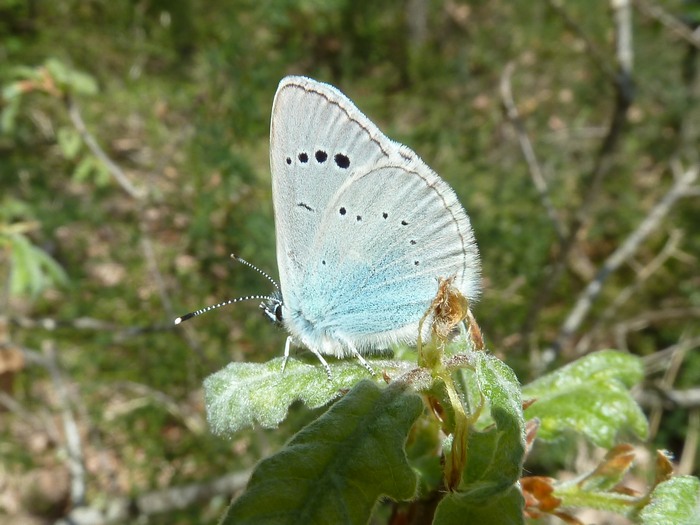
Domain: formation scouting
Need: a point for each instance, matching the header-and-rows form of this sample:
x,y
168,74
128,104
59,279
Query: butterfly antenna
x,y
225,303
253,267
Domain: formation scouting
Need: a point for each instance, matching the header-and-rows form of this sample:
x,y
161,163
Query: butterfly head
x,y
273,308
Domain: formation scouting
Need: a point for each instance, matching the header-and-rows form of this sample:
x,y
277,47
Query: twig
x,y
528,150
686,399
84,323
658,361
123,509
96,150
690,444
671,369
624,94
621,254
671,22
642,321
73,444
642,276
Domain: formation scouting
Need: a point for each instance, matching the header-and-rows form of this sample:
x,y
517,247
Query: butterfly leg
x,y
357,355
324,363
287,347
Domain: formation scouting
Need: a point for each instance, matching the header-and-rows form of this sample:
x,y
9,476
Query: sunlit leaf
x,y
495,454
590,396
243,394
674,501
335,469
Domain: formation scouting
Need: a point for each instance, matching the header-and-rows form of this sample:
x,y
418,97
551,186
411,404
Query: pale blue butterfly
x,y
365,229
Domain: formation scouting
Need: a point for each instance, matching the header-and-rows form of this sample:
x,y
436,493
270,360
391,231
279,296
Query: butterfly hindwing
x,y
386,237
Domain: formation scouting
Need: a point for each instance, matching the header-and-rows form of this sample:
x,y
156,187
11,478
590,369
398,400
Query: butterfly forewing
x,y
318,138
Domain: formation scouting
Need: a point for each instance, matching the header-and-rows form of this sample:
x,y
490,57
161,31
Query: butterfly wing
x,y
385,238
318,139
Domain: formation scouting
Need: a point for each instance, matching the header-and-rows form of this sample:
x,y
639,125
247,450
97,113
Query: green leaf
x,y
674,501
20,265
84,169
82,83
69,79
495,455
335,469
461,509
421,449
32,270
69,141
589,396
8,115
243,394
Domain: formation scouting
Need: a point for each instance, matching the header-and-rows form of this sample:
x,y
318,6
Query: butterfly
x,y
365,230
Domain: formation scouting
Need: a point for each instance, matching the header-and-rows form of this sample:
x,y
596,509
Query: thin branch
x,y
658,316
96,150
624,94
671,22
671,369
690,444
83,323
627,293
686,399
73,444
651,222
122,509
528,150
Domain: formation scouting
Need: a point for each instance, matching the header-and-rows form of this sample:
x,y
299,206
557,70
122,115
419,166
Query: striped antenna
x,y
253,267
225,303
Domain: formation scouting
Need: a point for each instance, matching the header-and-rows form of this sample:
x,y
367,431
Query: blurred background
x,y
134,159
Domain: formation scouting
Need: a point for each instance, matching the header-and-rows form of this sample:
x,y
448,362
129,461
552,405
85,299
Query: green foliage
x,y
31,269
589,396
489,453
243,394
335,469
676,500
500,509
494,454
183,108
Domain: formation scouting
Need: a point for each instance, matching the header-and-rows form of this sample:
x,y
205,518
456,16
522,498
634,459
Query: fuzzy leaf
x,y
495,455
335,469
243,394
674,501
589,396
460,509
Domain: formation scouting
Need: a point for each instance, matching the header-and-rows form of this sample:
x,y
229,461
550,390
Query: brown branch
x,y
121,509
73,444
686,399
652,221
642,276
624,94
94,147
671,22
528,151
